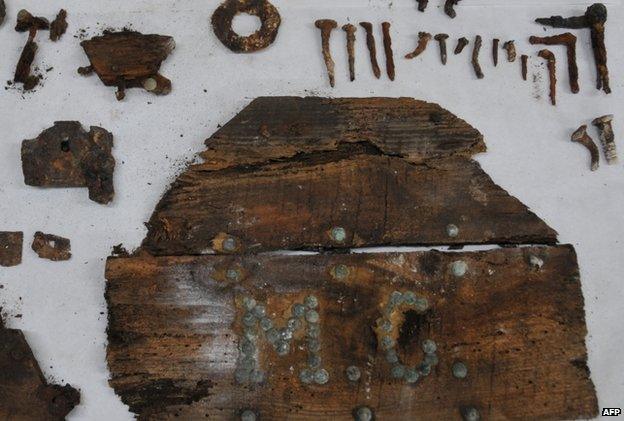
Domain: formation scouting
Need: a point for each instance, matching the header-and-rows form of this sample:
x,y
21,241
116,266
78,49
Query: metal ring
x,y
262,38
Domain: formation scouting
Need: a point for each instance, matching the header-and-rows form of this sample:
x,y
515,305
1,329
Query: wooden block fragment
x,y
514,318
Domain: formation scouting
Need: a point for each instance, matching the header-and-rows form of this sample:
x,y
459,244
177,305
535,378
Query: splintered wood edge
x,y
273,128
515,317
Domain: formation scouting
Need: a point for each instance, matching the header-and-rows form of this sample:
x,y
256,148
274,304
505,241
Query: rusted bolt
x,y
459,268
552,72
607,138
569,41
495,45
475,57
338,234
461,44
510,47
581,136
441,38
449,8
423,41
387,41
327,26
350,31
372,49
460,371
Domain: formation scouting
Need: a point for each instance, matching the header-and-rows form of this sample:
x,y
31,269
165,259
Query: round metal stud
x,y
150,84
249,319
314,345
266,323
341,271
272,335
431,359
293,324
421,305
353,373
311,301
391,356
452,230
398,371
306,376
298,310
249,303
411,375
256,376
429,347
338,234
286,334
364,413
460,371
282,348
387,342
312,316
314,360
536,262
248,415
321,376
459,268
314,330
259,311
471,414
233,274
247,347
409,298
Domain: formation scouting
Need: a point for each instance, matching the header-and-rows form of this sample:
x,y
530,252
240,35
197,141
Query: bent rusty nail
x,y
441,38
581,136
607,138
524,59
387,40
510,47
350,31
595,18
552,72
569,41
372,49
475,57
449,8
495,45
461,44
327,26
423,41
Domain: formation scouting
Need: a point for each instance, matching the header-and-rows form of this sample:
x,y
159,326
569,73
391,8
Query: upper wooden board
x,y
273,128
514,318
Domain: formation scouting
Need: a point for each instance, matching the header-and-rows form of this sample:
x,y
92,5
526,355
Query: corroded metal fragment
x,y
51,247
177,321
65,155
551,62
581,136
30,23
24,392
129,59
11,248
372,48
387,42
58,25
475,57
423,41
269,18
326,27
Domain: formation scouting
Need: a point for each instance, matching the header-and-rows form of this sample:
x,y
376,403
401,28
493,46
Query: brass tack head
x,y
150,84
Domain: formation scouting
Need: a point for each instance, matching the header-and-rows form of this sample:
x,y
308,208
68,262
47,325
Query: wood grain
x,y
520,329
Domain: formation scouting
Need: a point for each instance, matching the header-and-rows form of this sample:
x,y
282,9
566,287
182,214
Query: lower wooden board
x,y
515,318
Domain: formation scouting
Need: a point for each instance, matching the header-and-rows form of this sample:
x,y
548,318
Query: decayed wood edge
x,y
147,271
24,392
196,210
273,128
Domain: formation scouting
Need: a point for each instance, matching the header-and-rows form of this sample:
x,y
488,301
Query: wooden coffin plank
x,y
176,322
376,199
280,127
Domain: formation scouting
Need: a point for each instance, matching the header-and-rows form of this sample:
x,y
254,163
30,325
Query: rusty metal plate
x,y
11,244
186,339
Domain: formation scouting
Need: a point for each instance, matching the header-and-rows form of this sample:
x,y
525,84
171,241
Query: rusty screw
x,y
350,31
327,26
441,38
607,138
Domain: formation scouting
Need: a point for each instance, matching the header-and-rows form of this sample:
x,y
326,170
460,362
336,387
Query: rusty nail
x,y
423,41
461,44
372,49
449,8
510,47
607,138
475,57
495,45
387,41
581,136
441,38
422,5
569,41
552,72
595,18
327,26
524,59
350,31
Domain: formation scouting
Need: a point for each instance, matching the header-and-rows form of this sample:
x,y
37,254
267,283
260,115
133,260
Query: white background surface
x,y
529,153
